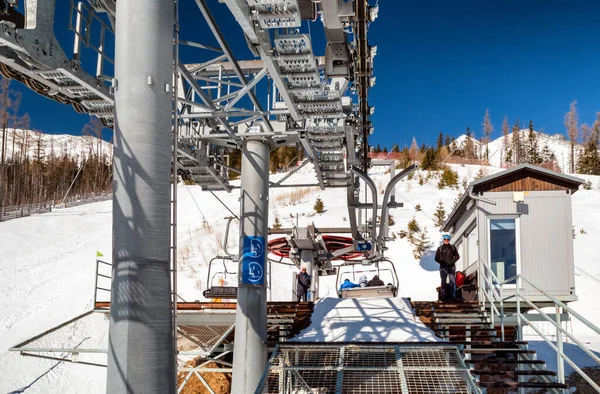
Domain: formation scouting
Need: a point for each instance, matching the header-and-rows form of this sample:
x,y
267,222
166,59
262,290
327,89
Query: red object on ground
x,y
280,246
460,279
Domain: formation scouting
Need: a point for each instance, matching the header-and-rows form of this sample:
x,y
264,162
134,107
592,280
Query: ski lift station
x,y
173,119
517,222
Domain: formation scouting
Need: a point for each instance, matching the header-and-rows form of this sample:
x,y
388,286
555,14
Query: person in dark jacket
x,y
303,285
375,282
446,256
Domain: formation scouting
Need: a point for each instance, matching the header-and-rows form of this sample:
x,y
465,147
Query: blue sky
x,y
439,65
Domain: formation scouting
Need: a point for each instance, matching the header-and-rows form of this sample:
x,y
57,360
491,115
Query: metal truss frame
x,y
202,369
208,115
72,354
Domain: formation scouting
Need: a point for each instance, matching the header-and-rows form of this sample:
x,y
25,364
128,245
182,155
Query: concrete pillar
x,y
250,349
140,348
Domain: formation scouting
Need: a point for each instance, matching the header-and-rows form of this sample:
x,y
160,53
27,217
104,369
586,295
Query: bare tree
x,y
571,120
4,106
488,129
517,144
414,150
9,105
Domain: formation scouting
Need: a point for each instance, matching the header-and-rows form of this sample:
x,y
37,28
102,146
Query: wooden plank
x,y
525,182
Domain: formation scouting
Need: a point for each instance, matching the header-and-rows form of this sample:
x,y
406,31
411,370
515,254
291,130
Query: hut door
x,y
503,248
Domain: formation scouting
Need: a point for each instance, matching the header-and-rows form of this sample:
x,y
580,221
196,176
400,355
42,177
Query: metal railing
x,y
102,276
83,22
492,294
20,211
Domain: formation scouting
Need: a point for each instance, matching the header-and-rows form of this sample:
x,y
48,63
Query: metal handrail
x,y
489,277
490,282
563,356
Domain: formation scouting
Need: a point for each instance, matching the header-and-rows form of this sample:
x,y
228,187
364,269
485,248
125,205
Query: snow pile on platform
x,y
365,320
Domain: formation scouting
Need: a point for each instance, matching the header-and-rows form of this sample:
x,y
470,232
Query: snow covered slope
x,y
28,142
556,143
47,263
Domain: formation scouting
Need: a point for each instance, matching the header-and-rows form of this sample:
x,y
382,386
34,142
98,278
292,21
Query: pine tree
x,y
385,149
440,141
447,141
454,149
421,244
405,159
589,161
509,156
395,149
547,154
413,226
448,178
319,207
456,201
428,162
571,120
505,140
377,149
533,154
488,129
440,214
469,151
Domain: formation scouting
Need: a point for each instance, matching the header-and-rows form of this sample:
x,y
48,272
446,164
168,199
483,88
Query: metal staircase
x,y
321,104
197,166
497,364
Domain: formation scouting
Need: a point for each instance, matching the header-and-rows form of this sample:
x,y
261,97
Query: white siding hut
x,y
518,221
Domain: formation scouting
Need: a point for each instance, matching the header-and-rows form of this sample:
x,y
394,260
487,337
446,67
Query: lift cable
x,y
195,202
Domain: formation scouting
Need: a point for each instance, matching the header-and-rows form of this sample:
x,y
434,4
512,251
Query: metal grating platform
x,y
203,333
366,368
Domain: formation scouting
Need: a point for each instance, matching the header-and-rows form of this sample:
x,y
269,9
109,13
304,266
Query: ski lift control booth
x,y
517,222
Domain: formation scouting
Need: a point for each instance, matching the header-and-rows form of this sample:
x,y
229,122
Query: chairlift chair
x,y
354,269
220,278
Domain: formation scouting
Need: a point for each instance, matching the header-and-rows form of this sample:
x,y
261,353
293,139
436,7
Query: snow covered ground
x,y
365,320
47,265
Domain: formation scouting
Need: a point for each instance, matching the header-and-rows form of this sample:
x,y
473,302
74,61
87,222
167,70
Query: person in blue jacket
x,y
348,285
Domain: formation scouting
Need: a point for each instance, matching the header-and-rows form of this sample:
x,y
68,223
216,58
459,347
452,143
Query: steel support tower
x,y
251,318
140,354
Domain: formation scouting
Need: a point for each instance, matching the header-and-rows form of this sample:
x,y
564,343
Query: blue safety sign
x,y
253,261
